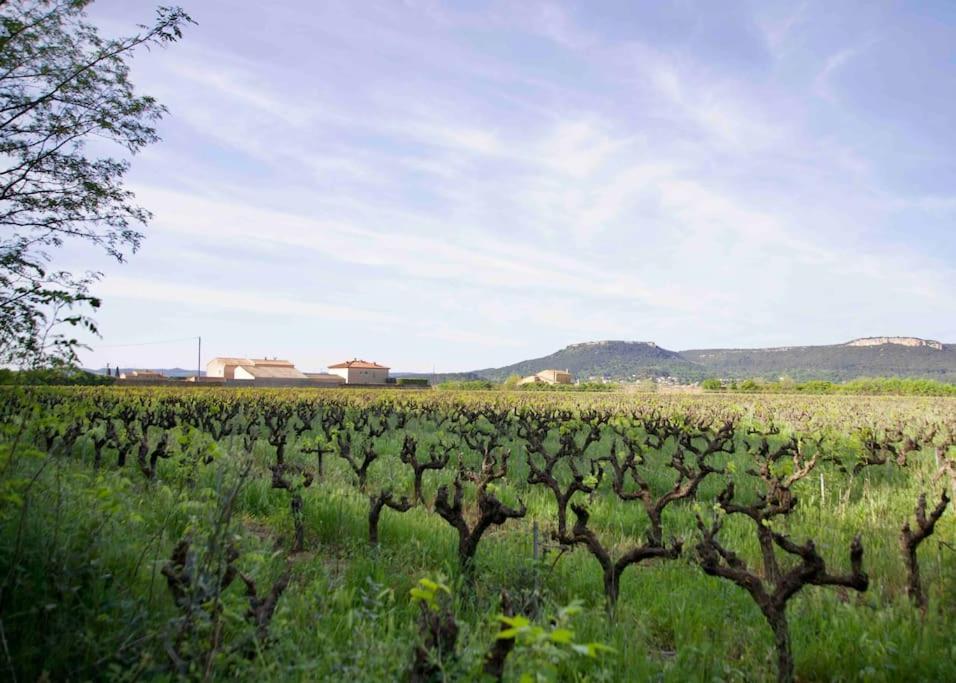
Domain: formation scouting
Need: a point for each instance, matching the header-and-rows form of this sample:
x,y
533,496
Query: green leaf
x,y
600,647
424,596
562,636
516,621
428,584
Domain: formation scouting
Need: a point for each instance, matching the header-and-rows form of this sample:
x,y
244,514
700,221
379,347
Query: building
x,y
261,370
358,371
205,380
142,376
548,377
225,367
253,369
324,378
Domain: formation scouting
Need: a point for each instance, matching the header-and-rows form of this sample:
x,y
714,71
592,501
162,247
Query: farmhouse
x,y
548,377
358,371
252,369
142,376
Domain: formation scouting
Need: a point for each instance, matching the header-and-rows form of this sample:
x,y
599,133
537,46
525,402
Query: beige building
x,y
358,371
205,380
548,377
142,375
252,369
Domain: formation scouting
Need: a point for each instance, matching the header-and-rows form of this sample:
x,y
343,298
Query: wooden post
x,y
536,555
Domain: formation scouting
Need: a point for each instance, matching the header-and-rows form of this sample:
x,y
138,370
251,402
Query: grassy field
x,y
87,545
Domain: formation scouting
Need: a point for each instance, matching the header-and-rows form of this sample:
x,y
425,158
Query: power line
x,y
152,343
197,338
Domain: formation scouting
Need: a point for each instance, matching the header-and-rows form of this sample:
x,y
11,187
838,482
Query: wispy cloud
x,y
493,182
205,298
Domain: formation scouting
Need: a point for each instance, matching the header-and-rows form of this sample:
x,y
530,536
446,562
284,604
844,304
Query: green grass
x,y
84,598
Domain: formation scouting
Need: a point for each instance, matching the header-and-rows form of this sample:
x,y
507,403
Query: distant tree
x,y
61,86
711,384
816,386
511,381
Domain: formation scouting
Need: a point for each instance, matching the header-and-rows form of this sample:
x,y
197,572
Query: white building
x,y
252,369
357,371
548,377
143,375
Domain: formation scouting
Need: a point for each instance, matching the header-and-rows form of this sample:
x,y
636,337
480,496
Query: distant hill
x,y
629,360
617,360
868,357
622,360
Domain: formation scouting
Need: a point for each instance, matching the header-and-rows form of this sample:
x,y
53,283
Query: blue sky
x,y
460,185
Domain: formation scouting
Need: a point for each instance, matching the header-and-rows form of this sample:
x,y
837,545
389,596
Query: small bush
x,y
412,382
467,385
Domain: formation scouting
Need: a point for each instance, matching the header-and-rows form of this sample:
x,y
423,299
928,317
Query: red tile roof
x,y
356,363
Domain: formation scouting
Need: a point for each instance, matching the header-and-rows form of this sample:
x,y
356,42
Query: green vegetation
x,y
866,386
466,385
583,386
52,376
512,385
412,382
217,534
899,386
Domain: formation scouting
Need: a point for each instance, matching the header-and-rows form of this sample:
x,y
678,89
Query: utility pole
x,y
198,358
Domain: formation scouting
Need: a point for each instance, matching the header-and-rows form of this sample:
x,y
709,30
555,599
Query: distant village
x,y
273,372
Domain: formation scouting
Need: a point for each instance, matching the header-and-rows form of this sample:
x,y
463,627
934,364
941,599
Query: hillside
x,y
621,360
626,361
869,357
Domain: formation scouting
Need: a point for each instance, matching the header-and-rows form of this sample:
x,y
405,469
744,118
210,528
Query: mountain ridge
x,y
620,360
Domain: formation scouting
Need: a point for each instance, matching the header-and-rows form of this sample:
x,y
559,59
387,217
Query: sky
x,y
458,185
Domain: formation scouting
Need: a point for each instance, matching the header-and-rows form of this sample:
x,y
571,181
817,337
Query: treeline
x,y
52,377
867,386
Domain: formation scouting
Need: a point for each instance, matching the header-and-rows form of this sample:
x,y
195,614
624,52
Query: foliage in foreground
x,y
142,534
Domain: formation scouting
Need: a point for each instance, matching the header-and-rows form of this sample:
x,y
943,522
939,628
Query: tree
x,y
773,585
511,381
62,85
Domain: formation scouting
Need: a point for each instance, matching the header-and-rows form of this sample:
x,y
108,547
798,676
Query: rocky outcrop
x,y
900,341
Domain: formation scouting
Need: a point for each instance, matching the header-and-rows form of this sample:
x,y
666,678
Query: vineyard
x,y
429,536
